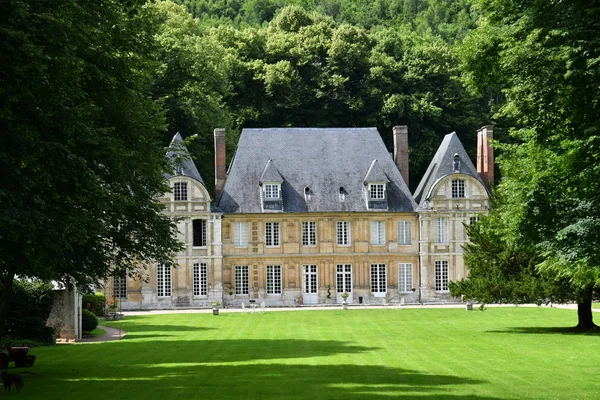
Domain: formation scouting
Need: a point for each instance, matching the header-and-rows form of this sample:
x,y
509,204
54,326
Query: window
x,y
405,277
458,188
378,233
456,163
343,233
240,234
272,234
309,234
241,279
441,276
163,280
199,279
378,279
271,191
441,230
273,279
180,191
473,220
199,232
404,232
343,278
120,287
376,191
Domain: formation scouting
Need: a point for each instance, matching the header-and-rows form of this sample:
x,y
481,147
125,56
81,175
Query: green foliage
x,y
89,321
543,57
29,310
94,302
82,163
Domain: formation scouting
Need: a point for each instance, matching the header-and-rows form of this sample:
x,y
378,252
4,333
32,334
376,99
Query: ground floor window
x,y
309,279
200,284
405,277
241,279
273,279
441,276
378,279
163,280
120,287
344,278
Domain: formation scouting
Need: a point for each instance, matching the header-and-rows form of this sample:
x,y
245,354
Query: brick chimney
x,y
485,154
220,162
401,150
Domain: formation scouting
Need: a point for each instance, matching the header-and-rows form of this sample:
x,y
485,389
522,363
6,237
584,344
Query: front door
x,y
309,284
343,282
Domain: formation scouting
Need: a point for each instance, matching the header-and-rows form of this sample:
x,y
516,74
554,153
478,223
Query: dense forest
x,y
336,63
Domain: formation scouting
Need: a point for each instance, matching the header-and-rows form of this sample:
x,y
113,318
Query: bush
x,y
30,327
30,307
94,302
89,322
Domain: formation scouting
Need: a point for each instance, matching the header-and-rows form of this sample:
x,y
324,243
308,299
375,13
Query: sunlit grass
x,y
502,353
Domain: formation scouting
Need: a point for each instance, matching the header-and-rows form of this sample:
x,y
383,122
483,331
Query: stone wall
x,y
65,316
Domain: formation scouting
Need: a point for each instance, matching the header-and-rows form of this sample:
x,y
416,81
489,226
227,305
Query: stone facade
x,y
304,215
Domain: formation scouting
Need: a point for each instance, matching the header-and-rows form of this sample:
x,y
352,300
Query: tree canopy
x,y
81,157
543,57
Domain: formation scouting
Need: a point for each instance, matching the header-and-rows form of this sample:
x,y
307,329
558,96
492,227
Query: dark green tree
x,y
543,57
81,158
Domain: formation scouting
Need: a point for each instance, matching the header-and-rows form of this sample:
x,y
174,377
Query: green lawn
x,y
502,353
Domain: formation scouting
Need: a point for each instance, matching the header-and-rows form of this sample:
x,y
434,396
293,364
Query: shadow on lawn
x,y
239,350
270,381
537,330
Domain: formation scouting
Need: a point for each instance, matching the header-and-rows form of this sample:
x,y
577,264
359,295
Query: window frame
x,y
406,235
378,234
458,188
273,280
269,190
375,280
164,277
377,191
119,287
442,271
405,277
441,230
199,279
180,191
201,225
241,279
309,233
240,238
272,234
343,230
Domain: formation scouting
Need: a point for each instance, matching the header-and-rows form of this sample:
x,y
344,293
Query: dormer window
x,y
307,193
456,164
180,191
342,194
376,191
458,188
272,191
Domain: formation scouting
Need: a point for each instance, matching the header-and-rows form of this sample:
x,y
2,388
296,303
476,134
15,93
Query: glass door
x,y
343,282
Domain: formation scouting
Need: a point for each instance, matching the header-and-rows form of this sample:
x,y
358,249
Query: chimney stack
x,y
220,162
485,154
401,150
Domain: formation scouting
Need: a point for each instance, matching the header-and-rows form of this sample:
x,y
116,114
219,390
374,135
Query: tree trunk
x,y
584,311
7,294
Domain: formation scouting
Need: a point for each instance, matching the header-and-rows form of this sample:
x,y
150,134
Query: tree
x,y
80,155
190,81
544,58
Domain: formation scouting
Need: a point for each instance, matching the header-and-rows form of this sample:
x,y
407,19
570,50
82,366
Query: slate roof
x,y
322,159
179,155
442,165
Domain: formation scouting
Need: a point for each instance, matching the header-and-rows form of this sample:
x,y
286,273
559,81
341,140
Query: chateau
x,y
303,215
